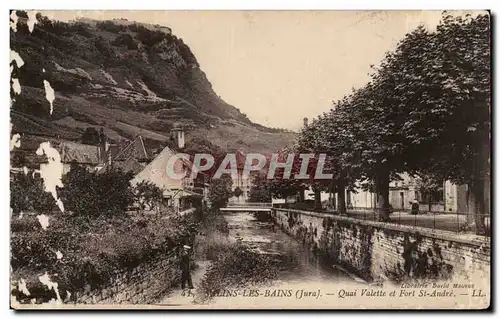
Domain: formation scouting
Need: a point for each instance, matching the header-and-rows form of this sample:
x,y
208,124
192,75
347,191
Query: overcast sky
x,y
281,66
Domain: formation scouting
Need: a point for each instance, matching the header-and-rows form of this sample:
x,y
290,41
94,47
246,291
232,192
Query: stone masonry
x,y
377,251
147,283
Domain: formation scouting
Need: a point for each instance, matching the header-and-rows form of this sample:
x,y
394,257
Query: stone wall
x,y
147,283
377,251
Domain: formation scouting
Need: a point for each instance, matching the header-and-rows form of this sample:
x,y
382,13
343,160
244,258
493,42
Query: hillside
x,y
126,77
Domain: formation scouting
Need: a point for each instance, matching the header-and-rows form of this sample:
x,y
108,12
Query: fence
x,y
249,204
463,223
455,222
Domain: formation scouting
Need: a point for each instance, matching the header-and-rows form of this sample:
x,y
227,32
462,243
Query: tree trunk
x,y
429,200
470,207
317,199
479,186
341,200
382,189
478,203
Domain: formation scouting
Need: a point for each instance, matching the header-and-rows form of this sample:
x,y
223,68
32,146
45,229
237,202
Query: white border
x,y
187,5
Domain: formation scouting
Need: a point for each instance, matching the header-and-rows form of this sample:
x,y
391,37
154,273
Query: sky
x,y
281,66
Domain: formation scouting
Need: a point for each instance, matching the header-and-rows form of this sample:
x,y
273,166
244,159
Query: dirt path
x,y
179,297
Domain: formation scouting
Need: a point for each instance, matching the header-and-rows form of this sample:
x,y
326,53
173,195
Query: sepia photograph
x,y
246,159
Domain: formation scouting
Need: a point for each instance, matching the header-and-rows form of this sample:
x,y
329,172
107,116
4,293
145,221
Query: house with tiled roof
x,y
93,157
177,193
133,157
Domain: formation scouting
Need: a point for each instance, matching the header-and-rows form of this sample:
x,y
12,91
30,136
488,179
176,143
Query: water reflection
x,y
301,264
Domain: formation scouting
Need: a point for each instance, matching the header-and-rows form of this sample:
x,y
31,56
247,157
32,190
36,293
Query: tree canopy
x,y
425,111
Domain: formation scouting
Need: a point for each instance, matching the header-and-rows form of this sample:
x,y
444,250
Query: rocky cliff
x,y
125,77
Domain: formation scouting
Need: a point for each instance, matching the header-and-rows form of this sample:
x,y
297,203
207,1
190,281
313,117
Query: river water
x,y
304,283
264,238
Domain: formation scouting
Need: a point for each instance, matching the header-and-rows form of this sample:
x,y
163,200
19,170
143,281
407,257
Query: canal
x,y
306,282
265,238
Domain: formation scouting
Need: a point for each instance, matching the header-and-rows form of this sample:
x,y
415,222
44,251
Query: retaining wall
x,y
377,251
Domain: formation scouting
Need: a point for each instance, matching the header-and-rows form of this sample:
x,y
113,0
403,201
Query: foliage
x,y
127,40
148,37
95,193
427,184
111,26
105,48
27,193
425,110
220,191
200,145
212,238
281,185
259,192
93,250
237,266
148,195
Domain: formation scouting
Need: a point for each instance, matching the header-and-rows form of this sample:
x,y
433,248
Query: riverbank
x,y
250,255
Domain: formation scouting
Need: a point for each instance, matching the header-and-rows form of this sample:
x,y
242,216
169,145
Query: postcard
x,y
250,160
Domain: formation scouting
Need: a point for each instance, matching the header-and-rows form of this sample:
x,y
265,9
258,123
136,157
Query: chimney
x,y
305,122
178,132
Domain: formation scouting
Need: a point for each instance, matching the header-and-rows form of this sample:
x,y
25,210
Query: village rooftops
x,y
80,153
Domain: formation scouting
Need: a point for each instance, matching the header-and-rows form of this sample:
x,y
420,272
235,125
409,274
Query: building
x,y
132,158
241,180
92,157
178,193
403,192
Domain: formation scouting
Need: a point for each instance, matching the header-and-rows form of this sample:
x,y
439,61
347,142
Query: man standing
x,y
186,267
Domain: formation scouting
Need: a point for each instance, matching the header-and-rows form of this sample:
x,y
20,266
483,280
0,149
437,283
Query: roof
x,y
156,171
80,153
135,149
178,193
130,165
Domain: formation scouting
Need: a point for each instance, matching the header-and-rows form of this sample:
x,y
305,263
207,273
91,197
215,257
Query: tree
x,y
147,195
331,134
199,145
18,160
281,186
27,193
220,191
427,185
94,194
440,82
19,201
259,192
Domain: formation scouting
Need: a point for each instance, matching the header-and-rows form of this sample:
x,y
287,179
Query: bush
x,y
237,266
94,194
110,26
126,40
27,193
148,195
104,47
148,37
94,250
220,192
